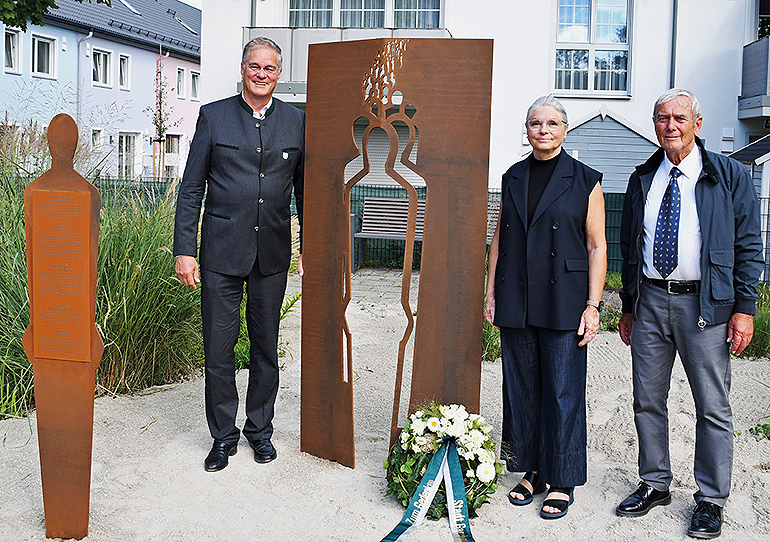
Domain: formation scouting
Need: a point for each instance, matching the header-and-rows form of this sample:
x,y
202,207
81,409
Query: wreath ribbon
x,y
444,465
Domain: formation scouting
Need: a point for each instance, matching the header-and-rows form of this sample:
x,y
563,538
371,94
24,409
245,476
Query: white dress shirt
x,y
690,239
260,115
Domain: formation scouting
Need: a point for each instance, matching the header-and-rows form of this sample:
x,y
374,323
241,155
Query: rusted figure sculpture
x,y
444,89
61,211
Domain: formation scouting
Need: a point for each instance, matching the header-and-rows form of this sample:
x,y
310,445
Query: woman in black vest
x,y
547,265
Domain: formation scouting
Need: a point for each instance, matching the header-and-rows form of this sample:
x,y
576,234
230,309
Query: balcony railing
x,y
754,101
294,44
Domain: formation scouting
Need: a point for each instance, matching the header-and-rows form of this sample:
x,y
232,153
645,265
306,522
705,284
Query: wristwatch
x,y
598,304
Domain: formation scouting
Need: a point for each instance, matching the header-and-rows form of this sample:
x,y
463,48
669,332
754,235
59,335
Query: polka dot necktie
x,y
665,249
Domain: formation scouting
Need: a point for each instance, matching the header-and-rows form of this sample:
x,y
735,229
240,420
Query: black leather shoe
x,y
706,521
264,452
218,456
641,500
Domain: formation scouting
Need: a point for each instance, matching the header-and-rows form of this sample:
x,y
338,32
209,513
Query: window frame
x,y
125,165
37,38
314,12
97,139
181,75
107,67
195,76
124,83
17,57
417,14
592,46
364,12
321,17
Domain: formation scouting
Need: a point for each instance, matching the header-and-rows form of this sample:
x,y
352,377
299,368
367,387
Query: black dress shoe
x,y
218,456
264,452
706,521
641,500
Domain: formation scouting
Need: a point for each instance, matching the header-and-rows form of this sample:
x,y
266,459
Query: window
x,y
12,51
310,13
124,69
363,14
171,172
96,139
417,13
43,56
102,67
592,46
195,81
126,155
172,144
180,72
763,28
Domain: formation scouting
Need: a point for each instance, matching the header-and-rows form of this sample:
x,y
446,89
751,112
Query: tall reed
x,y
149,322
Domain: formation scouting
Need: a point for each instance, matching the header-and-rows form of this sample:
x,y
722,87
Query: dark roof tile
x,y
157,24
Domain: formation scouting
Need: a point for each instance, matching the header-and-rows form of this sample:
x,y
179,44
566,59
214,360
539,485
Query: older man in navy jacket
x,y
246,156
692,256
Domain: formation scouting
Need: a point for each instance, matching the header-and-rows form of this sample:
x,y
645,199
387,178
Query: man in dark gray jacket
x,y
246,156
692,256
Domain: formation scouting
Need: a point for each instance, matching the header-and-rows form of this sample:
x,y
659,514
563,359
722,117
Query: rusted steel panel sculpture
x,y
441,91
61,211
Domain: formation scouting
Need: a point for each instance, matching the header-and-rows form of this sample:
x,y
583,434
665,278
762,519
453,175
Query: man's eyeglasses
x,y
552,125
269,70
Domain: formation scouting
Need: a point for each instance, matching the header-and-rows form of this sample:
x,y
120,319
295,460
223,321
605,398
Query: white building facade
x,y
606,60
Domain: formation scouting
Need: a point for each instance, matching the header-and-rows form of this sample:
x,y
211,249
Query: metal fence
x,y
388,252
381,252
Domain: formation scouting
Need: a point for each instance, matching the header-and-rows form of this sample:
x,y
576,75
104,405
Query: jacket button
x,y
261,200
506,226
257,125
504,253
554,253
261,175
556,226
259,150
256,228
554,281
502,279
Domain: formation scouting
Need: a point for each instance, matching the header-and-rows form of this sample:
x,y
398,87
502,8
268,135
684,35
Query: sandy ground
x,y
148,481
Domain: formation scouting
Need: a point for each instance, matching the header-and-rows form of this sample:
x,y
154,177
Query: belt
x,y
677,286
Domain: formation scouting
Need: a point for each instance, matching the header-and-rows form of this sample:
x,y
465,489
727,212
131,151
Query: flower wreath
x,y
422,436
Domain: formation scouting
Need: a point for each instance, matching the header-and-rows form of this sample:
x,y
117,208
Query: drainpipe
x,y
674,26
77,97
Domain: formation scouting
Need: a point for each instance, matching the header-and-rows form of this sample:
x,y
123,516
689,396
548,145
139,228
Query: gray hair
x,y
549,101
676,93
262,43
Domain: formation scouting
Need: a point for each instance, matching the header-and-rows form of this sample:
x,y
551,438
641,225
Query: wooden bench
x,y
385,218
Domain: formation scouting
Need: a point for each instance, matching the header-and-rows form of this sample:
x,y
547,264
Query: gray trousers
x,y
667,324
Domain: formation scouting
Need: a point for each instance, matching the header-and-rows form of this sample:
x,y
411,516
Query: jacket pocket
x,y
215,215
576,265
234,147
721,260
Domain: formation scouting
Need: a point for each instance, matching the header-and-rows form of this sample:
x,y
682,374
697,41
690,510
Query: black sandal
x,y
537,484
560,504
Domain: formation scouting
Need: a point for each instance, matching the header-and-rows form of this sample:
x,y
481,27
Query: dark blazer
x,y
246,168
731,253
541,278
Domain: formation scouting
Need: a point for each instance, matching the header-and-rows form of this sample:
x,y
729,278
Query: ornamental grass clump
x,y
423,434
149,322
